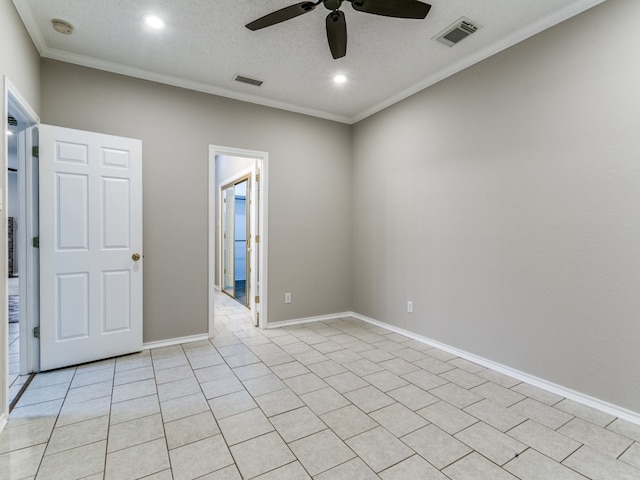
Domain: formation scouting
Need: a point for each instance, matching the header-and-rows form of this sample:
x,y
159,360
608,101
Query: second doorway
x,y
236,239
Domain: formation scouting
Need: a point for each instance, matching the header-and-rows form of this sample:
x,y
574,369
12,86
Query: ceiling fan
x,y
336,24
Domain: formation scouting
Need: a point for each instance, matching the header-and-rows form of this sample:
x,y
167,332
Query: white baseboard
x,y
300,321
583,399
601,405
174,341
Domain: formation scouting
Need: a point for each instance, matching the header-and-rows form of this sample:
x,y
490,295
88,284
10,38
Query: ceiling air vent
x,y
460,30
247,80
11,121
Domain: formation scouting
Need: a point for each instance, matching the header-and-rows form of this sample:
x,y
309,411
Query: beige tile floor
x,y
330,400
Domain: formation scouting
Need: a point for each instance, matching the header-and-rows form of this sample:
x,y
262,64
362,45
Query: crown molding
x,y
569,11
518,36
174,81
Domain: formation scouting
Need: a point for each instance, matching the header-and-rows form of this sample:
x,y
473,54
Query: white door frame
x,y
262,164
28,256
226,181
12,99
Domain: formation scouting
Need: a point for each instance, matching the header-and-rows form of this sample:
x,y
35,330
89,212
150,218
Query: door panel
x,y
116,207
72,314
90,227
72,193
117,304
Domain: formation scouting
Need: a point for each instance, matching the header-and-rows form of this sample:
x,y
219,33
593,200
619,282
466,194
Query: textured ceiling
x,y
206,44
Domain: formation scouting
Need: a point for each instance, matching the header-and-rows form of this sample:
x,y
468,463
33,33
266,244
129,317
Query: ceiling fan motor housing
x,y
332,4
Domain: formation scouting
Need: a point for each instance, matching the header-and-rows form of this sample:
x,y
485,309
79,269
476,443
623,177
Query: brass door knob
x,y
135,257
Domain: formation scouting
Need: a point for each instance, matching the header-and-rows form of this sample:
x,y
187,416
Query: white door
x,y
255,244
90,246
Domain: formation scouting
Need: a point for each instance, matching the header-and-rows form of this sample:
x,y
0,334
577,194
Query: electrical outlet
x,y
287,297
409,306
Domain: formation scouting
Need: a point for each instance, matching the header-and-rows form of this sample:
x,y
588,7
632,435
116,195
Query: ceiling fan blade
x,y
393,8
286,13
337,33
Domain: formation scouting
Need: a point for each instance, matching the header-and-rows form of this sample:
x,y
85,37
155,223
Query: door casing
x,y
12,99
259,284
28,256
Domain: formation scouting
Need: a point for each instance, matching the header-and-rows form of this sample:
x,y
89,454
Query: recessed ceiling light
x,y
61,26
9,132
154,22
340,78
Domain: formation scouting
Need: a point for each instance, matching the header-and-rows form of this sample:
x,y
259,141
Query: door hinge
x,y
257,299
36,332
35,241
35,151
258,178
257,238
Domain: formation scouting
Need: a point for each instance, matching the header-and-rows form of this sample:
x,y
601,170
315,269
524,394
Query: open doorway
x,y
13,271
237,232
14,222
21,210
235,239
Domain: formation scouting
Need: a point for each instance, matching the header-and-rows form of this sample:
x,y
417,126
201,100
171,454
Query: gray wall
x,y
505,202
19,59
309,179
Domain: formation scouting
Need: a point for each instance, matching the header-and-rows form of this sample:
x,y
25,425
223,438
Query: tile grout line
x,y
164,430
106,446
44,452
